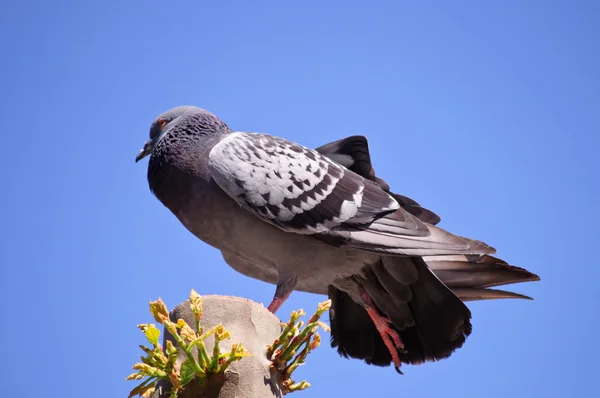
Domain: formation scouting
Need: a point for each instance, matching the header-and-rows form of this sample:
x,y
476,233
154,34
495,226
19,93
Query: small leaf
x,y
187,372
143,390
134,392
152,334
147,392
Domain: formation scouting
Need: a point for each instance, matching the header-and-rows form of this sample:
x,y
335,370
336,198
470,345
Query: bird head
x,y
188,119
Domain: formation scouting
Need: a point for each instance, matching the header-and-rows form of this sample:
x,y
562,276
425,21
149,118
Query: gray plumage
x,y
321,221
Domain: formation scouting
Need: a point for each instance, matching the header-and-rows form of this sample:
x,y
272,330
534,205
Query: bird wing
x,y
302,191
353,153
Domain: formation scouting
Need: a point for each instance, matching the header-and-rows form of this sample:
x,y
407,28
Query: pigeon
x,y
321,221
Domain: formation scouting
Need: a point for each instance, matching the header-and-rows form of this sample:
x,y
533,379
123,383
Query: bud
x,y
188,333
171,350
324,306
316,341
135,376
159,310
196,304
143,326
221,333
175,379
324,326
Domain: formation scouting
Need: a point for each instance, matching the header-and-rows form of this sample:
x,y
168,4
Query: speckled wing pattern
x,y
304,192
293,186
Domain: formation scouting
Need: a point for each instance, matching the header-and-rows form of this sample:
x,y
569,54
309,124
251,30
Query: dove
x,y
320,221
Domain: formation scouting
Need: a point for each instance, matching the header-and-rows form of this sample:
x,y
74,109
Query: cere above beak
x,y
146,150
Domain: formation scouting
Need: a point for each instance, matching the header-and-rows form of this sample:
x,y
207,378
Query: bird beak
x,y
146,150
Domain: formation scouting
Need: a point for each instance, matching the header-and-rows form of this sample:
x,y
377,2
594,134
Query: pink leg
x,y
277,303
390,337
285,287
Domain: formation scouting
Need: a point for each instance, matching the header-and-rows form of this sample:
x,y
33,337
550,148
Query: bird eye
x,y
162,123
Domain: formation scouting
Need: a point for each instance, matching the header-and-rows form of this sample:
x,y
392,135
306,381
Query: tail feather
x,y
475,294
470,276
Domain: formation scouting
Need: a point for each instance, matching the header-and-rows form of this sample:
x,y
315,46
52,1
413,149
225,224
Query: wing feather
x,y
294,187
353,153
302,191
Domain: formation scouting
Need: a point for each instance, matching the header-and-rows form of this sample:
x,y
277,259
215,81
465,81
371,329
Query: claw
x,y
390,337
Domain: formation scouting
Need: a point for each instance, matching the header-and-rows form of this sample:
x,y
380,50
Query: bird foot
x,y
390,337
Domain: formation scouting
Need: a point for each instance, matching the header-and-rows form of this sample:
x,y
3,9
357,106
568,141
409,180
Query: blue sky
x,y
486,112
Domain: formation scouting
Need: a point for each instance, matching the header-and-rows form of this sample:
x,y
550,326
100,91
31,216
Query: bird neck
x,y
175,167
